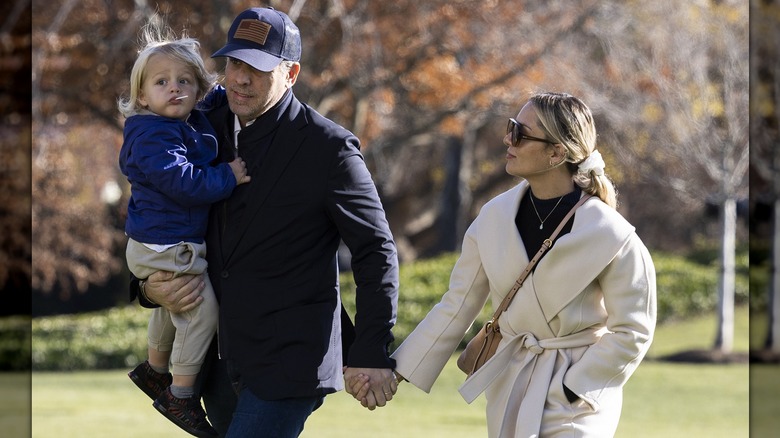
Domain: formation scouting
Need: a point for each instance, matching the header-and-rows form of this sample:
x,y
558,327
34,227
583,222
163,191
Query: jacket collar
x,y
598,232
285,144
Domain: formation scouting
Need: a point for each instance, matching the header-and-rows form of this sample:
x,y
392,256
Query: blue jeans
x,y
271,418
221,401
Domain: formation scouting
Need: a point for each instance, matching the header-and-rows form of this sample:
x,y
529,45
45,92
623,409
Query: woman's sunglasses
x,y
514,128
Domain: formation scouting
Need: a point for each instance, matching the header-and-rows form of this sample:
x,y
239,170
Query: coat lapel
x,y
286,143
501,248
597,234
576,258
222,118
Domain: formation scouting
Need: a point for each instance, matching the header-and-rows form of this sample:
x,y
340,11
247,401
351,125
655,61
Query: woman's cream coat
x,y
584,318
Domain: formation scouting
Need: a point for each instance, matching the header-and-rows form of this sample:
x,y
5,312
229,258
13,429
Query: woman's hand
x,y
359,385
179,294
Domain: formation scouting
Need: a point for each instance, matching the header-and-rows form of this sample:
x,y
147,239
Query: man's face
x,y
251,92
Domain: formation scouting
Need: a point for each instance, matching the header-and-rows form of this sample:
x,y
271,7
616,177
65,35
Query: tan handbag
x,y
484,344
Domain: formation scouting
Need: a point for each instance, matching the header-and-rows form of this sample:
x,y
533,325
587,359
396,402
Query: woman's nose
x,y
508,140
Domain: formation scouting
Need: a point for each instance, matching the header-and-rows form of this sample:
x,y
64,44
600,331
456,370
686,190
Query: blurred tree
x,y
75,133
427,87
691,118
15,251
412,80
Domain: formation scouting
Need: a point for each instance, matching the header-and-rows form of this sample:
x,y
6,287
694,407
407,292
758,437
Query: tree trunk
x,y
725,339
464,178
447,227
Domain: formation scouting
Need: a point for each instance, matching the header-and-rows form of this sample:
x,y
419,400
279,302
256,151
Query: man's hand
x,y
180,294
371,386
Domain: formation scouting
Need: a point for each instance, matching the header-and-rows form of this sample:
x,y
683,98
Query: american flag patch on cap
x,y
253,30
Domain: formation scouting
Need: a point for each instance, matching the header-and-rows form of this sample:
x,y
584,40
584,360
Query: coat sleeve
x,y
161,156
422,356
215,98
355,208
629,290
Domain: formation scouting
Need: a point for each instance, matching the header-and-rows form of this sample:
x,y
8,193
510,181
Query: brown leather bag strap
x,y
547,244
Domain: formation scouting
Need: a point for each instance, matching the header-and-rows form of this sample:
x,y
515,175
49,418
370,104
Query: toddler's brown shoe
x,y
150,381
186,413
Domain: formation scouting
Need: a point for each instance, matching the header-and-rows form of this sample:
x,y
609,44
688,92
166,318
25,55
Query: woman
x,y
583,319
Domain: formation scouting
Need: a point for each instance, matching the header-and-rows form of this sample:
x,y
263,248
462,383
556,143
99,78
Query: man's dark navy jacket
x,y
272,253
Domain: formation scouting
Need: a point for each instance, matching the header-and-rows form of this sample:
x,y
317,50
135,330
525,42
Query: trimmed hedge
x,y
422,285
687,288
15,343
116,338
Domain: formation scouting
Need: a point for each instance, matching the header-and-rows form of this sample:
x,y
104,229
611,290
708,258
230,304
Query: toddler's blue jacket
x,y
174,177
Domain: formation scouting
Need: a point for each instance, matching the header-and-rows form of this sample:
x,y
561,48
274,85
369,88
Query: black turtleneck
x,y
528,222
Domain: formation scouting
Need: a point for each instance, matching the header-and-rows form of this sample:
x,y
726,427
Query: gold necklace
x,y
533,204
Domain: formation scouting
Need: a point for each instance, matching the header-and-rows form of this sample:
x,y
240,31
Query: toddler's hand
x,y
238,166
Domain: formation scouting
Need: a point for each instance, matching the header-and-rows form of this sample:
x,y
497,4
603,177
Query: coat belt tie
x,y
513,346
540,365
532,344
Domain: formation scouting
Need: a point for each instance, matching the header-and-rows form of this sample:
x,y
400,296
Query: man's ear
x,y
292,76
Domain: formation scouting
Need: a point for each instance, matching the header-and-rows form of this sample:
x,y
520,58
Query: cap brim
x,y
256,58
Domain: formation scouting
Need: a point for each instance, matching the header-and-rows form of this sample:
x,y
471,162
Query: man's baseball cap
x,y
262,38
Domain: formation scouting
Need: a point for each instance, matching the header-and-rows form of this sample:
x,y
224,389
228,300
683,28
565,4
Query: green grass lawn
x,y
764,401
15,405
661,400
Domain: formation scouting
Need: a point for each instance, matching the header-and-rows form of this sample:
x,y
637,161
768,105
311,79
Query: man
x,y
272,248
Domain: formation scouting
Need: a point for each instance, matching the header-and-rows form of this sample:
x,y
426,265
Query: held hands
x,y
372,387
238,166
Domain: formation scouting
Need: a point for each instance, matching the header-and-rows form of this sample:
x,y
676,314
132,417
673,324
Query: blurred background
x,y
685,96
427,87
